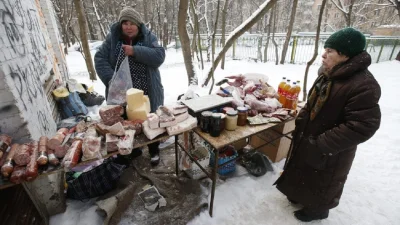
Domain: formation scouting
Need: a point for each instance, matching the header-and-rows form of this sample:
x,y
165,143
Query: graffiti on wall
x,y
28,63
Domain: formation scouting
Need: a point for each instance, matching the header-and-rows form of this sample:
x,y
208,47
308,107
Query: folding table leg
x,y
176,156
214,180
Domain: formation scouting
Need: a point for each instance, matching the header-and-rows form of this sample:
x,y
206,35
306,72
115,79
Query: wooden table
x,y
227,138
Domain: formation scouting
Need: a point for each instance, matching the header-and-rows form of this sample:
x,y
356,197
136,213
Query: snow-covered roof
x,y
390,26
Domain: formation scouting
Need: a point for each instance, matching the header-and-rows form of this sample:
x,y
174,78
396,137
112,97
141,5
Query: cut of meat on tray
x,y
152,133
111,143
91,148
186,125
125,144
153,120
111,114
133,125
73,155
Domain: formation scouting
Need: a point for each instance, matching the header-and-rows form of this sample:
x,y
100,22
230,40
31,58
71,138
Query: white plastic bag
x,y
120,83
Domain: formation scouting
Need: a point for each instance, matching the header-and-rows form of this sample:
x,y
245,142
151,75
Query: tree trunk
x,y
165,29
309,63
89,24
208,31
185,41
271,16
273,34
289,32
146,15
84,39
256,16
103,31
197,25
215,31
172,29
398,56
224,12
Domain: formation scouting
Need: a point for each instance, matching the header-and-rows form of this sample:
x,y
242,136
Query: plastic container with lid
x,y
242,116
215,125
231,120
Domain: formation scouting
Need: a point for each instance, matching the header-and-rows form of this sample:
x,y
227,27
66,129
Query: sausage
x,y
58,139
43,141
8,166
73,155
61,150
5,142
52,158
18,175
42,160
32,168
22,156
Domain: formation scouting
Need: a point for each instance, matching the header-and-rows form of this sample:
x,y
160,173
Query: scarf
x,y
318,95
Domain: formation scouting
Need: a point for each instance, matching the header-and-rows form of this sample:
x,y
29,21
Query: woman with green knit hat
x,y
342,111
129,37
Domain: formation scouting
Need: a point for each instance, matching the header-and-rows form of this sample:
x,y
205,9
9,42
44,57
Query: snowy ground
x,y
371,194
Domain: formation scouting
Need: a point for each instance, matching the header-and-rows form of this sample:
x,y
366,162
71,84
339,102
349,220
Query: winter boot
x,y
308,215
154,153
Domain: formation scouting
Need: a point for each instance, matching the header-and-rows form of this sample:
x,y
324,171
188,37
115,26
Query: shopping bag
x,y
119,84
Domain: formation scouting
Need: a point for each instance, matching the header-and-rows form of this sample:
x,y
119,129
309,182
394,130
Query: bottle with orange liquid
x,y
282,97
290,94
281,85
296,93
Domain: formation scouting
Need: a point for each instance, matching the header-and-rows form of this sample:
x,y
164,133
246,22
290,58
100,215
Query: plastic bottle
x,y
285,89
296,95
290,94
281,85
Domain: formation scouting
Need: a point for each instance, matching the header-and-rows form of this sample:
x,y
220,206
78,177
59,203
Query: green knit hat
x,y
348,41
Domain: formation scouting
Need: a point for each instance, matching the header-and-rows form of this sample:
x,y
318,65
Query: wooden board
x,y
228,137
206,102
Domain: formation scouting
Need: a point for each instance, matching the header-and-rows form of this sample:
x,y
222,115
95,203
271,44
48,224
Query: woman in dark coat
x,y
342,111
130,37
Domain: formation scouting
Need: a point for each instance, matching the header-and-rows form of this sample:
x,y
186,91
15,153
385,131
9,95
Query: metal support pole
x,y
214,181
176,156
380,53
394,47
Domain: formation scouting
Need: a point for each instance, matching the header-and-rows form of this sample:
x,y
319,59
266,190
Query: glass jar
x,y
215,125
231,120
205,121
222,124
242,116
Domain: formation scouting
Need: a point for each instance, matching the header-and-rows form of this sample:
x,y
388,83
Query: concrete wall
x,y
28,68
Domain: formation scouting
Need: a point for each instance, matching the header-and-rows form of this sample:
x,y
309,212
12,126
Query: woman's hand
x,y
128,50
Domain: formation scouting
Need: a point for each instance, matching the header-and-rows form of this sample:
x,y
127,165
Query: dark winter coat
x,y
151,54
323,149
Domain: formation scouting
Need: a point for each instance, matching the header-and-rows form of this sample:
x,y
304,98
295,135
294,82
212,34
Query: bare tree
x,y
215,31
185,41
309,63
268,27
84,39
346,10
197,27
98,18
208,30
289,32
224,12
256,16
64,11
273,33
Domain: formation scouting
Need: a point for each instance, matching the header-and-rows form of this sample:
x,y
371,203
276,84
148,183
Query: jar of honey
x,y
231,120
242,116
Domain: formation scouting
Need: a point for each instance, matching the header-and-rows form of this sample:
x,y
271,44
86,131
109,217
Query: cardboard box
x,y
278,149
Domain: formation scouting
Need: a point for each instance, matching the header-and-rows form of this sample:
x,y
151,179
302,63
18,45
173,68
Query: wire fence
x,y
260,48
